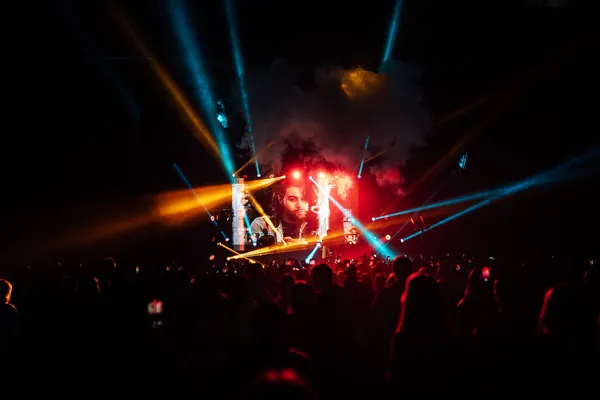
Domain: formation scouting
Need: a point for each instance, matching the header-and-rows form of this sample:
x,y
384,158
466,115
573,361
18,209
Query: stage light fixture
x,y
258,175
358,176
485,273
321,175
296,174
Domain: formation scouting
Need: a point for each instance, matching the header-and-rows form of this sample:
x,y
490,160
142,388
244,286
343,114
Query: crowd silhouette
x,y
411,328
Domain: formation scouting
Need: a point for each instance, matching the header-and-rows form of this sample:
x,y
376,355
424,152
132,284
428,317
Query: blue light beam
x,y
392,34
368,235
189,185
221,116
444,203
249,227
194,62
362,161
558,173
417,212
239,69
463,161
457,215
312,253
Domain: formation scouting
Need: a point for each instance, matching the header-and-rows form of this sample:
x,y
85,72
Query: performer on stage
x,y
291,214
250,211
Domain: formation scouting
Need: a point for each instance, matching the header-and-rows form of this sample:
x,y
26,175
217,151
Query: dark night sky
x,y
74,141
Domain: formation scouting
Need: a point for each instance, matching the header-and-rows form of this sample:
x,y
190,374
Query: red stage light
x,y
321,175
296,174
485,273
388,237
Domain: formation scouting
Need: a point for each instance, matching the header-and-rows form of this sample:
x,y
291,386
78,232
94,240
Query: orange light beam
x,y
371,158
239,254
251,160
182,201
185,109
267,219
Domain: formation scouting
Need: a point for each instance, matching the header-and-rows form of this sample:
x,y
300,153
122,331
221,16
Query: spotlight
x,y
296,174
227,239
233,175
212,257
485,273
373,219
358,176
388,236
228,258
258,175
401,240
321,175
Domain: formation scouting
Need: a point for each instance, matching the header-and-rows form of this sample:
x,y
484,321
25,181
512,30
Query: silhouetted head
x,y
267,324
380,282
87,290
239,290
5,291
422,306
402,267
285,285
303,298
365,278
322,277
352,271
566,312
506,294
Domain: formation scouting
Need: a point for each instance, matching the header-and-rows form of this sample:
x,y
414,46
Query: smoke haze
x,y
326,125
